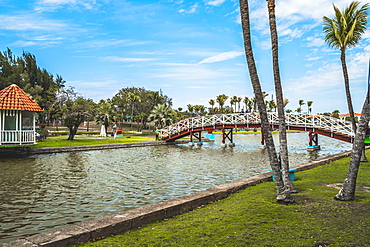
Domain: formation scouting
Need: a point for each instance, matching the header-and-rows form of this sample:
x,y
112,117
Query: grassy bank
x,y
253,218
60,141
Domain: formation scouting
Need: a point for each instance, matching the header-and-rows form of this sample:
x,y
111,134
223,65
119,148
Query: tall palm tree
x,y
345,31
161,115
132,99
309,104
301,103
221,99
212,103
289,187
347,193
238,100
247,101
190,109
274,162
233,101
105,113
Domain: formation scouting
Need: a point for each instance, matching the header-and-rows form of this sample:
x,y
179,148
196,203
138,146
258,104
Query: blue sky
x,y
191,50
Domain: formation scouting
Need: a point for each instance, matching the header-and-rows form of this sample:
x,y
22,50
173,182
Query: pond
x,y
44,192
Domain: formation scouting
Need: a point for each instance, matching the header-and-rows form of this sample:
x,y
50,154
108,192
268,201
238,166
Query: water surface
x,y
43,192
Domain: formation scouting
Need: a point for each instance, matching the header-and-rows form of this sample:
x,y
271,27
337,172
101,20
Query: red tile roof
x,y
14,98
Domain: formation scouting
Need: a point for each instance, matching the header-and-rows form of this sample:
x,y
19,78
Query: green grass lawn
x,y
61,141
253,218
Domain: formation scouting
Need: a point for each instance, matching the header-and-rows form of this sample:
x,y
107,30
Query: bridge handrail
x,y
292,119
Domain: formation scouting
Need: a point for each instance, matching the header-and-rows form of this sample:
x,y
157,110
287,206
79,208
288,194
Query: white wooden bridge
x,y
318,124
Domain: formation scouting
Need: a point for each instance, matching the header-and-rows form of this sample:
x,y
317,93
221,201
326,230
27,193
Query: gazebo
x,y
17,117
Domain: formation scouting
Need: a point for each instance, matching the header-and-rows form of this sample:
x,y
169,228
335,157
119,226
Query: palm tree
x,y
301,103
132,99
212,103
190,109
280,104
221,99
233,101
274,162
106,113
247,103
347,193
309,104
238,100
345,31
161,115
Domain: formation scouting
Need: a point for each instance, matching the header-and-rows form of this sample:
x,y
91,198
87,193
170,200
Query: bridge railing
x,y
292,119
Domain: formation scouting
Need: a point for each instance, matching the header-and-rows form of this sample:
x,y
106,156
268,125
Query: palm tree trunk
x,y
349,99
348,92
279,99
244,11
347,193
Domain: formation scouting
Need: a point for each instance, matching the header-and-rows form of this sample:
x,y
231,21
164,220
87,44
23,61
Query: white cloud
x,y
111,43
30,22
126,59
192,9
222,57
315,41
51,5
215,2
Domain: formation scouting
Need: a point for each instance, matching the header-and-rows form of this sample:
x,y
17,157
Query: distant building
x,y
17,117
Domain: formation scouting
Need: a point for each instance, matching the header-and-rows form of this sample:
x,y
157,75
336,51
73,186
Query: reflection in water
x,y
44,192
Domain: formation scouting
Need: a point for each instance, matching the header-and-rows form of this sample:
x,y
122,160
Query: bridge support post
x,y
229,136
197,135
313,141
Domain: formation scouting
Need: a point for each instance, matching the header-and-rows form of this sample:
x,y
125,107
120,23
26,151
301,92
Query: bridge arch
x,y
318,124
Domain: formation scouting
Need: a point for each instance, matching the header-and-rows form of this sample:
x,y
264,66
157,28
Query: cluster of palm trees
x,y
342,31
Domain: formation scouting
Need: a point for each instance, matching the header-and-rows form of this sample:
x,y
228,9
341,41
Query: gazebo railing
x,y
17,137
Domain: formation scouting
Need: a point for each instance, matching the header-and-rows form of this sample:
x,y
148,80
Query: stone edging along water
x,y
119,223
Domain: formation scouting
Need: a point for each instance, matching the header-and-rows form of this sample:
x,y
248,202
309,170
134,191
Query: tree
x,y
246,101
76,112
238,100
345,31
105,113
221,99
212,103
288,185
190,109
300,103
244,12
335,113
233,101
132,99
347,193
309,104
161,115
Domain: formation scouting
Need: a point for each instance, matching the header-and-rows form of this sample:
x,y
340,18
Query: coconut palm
x,y
105,114
309,104
221,99
212,103
190,109
161,115
132,99
274,162
247,103
238,100
280,104
345,31
301,103
347,193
